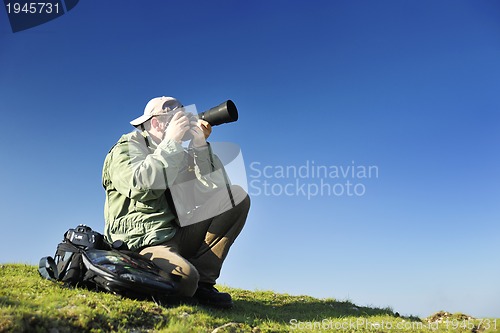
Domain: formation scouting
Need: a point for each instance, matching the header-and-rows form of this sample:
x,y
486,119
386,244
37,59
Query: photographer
x,y
145,176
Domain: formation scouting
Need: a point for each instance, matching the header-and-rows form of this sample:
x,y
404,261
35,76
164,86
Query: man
x,y
145,174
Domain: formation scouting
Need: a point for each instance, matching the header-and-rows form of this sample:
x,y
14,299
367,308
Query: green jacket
x,y
135,176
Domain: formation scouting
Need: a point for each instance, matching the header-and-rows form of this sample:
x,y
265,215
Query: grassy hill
x,y
29,303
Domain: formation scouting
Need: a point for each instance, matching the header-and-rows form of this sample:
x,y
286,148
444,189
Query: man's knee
x,y
172,263
189,280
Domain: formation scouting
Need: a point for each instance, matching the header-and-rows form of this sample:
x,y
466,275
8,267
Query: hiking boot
x,y
207,294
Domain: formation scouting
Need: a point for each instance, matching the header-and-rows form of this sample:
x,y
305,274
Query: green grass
x,y
29,303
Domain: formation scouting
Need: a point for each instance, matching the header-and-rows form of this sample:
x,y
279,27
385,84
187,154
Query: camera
x,y
83,236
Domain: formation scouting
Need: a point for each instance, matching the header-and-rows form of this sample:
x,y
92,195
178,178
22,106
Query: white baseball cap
x,y
157,106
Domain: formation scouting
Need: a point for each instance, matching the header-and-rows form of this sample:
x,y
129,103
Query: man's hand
x,y
177,127
200,129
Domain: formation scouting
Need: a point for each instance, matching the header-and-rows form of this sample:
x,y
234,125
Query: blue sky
x,y
410,87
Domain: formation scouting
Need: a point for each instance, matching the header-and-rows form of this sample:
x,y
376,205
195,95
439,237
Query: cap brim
x,y
140,120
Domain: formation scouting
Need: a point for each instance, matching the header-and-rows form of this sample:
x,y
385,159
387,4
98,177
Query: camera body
x,y
84,237
191,117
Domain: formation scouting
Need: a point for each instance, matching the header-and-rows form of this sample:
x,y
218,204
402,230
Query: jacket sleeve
x,y
143,175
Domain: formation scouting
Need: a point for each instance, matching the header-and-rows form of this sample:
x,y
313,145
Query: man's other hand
x,y
201,130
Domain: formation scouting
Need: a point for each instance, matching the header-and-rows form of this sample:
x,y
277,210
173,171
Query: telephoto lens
x,y
223,113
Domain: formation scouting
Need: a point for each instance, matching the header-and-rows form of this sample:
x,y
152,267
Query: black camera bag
x,y
85,259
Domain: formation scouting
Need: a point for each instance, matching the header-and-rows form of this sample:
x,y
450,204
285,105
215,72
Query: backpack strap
x,y
47,268
50,270
69,263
